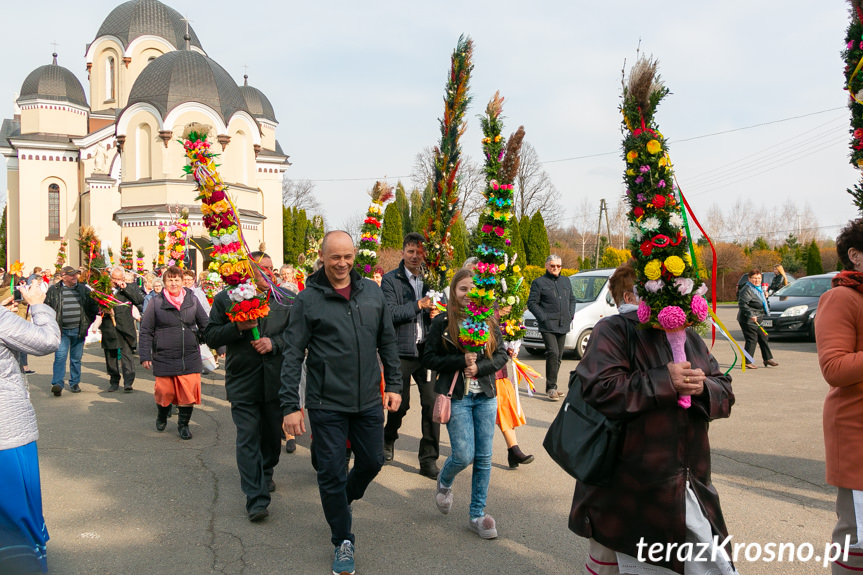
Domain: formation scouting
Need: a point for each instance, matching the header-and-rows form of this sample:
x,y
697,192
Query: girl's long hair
x,y
456,313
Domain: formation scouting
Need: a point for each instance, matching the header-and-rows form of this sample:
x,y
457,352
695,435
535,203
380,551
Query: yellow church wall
x,y
142,151
271,185
141,54
13,244
53,119
104,200
100,95
268,136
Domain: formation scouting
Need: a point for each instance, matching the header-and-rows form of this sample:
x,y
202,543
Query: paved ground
x,y
121,498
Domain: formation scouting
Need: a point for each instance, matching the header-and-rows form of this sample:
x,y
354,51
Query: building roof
x,y
9,129
187,76
257,103
53,82
137,18
194,209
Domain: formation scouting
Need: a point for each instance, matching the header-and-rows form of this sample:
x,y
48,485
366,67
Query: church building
x,y
115,163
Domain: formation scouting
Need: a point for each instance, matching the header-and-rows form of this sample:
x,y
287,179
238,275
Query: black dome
x,y
187,76
53,82
146,17
257,103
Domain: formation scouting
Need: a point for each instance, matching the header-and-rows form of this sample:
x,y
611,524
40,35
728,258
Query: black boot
x,y
162,417
515,456
184,414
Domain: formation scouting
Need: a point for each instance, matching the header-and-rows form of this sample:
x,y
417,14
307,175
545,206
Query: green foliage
x,y
3,238
612,257
760,244
460,243
404,208
524,228
813,260
417,207
392,231
538,248
852,54
530,273
566,272
516,245
294,228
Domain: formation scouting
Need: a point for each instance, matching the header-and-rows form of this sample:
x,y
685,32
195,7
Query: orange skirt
x,y
179,390
509,413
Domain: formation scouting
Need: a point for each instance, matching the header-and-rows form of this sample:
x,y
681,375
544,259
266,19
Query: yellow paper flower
x,y
630,156
653,269
630,172
497,138
17,269
516,269
675,265
687,258
663,161
654,147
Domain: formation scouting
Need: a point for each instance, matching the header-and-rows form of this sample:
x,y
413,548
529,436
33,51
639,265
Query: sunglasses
x,y
555,266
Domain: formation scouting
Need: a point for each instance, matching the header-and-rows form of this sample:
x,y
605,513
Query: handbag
x,y
583,441
443,404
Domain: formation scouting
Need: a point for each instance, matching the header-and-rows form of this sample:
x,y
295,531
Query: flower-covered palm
x,y
853,56
126,254
370,232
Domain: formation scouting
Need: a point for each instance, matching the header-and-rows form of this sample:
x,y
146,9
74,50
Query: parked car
x,y
766,279
592,302
792,309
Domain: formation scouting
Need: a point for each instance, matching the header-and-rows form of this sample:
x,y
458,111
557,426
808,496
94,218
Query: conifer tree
x,y
813,260
460,243
539,249
392,231
404,208
524,228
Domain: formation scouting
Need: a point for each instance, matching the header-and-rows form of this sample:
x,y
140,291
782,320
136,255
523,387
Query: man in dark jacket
x,y
552,303
119,336
75,310
252,371
411,313
343,321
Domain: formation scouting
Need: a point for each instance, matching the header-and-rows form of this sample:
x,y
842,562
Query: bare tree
x,y
423,170
353,226
471,185
300,194
534,190
619,224
583,220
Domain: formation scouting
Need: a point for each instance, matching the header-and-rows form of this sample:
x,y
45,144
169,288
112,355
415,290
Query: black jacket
x,y
552,303
343,339
749,304
442,356
249,375
405,311
125,327
169,336
89,307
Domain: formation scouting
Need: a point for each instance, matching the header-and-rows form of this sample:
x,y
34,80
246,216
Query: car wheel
x,y
535,351
581,344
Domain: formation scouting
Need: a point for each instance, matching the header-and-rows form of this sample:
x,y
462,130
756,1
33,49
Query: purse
x,y
583,441
443,404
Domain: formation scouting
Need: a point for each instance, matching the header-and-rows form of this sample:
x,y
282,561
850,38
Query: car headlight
x,y
795,311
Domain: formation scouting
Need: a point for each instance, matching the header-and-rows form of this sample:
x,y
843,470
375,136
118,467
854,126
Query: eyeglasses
x,y
555,266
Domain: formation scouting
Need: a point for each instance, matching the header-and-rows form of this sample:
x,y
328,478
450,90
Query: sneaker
x,y
56,389
553,395
75,388
343,559
443,498
484,526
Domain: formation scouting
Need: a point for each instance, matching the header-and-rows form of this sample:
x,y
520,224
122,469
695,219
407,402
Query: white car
x,y
592,303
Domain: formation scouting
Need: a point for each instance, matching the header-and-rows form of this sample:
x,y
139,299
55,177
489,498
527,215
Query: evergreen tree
x,y
288,248
404,207
760,244
539,249
3,238
460,242
524,229
516,245
392,231
417,209
301,227
813,260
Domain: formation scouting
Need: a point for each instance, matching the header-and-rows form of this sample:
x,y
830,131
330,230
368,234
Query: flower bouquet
x,y
666,283
160,260
61,256
176,234
370,232
853,56
139,261
126,254
230,255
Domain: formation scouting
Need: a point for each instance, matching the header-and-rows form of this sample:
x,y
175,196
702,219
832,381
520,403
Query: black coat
x,y
249,375
125,327
552,303
749,304
343,339
442,356
169,336
89,307
405,311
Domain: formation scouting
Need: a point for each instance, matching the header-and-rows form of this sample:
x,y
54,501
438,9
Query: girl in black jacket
x,y
474,402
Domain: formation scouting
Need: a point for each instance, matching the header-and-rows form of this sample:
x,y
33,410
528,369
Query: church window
x,y
53,210
144,151
110,82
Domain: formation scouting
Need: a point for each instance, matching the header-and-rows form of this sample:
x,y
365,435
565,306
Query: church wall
x,y
13,215
100,98
268,135
141,54
104,200
271,185
53,119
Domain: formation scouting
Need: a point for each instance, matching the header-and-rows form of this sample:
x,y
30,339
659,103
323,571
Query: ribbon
x,y
524,372
735,347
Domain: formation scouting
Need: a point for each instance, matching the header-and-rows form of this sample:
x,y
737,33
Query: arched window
x,y
53,210
109,78
144,148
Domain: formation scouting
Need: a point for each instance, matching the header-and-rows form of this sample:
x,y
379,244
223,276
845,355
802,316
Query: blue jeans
x,y
471,431
69,342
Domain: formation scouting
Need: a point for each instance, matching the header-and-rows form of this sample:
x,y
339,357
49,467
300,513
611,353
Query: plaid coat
x,y
663,445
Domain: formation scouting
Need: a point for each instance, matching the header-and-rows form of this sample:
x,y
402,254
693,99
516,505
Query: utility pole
x,y
602,209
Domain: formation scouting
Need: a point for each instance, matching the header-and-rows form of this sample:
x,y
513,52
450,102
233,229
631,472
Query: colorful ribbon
x,y
524,372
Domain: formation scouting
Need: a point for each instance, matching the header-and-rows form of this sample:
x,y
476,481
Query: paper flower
x,y
702,289
653,270
699,307
675,220
653,286
651,223
654,147
675,265
631,156
643,312
672,317
659,200
684,285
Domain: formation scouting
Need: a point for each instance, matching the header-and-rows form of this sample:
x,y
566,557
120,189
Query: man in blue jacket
x,y
343,322
552,303
412,313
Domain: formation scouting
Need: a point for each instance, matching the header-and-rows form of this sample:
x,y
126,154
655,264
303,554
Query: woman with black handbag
x,y
473,411
659,490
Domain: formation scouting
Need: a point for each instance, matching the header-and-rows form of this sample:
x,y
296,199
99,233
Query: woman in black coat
x,y
169,346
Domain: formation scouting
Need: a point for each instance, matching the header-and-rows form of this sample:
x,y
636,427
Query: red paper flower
x,y
646,248
638,211
659,201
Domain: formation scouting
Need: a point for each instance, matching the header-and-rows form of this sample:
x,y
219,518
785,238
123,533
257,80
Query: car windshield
x,y
586,288
806,287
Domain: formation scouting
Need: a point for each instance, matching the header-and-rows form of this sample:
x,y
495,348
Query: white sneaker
x,y
484,527
443,498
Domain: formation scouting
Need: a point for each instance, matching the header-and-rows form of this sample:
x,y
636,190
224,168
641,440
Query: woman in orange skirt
x,y
509,412
169,346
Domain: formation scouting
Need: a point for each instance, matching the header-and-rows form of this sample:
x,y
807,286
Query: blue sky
x,y
357,87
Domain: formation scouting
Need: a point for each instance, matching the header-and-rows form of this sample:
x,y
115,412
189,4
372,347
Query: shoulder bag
x,y
583,441
442,403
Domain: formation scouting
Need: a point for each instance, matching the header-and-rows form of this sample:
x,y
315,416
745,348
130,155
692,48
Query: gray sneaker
x,y
443,498
484,526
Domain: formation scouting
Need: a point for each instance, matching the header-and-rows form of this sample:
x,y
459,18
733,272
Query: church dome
x,y
53,82
256,102
187,76
137,18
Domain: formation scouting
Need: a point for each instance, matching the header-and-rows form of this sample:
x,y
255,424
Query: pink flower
x,y
486,229
702,289
684,285
699,307
639,179
494,185
643,312
644,169
661,183
671,317
653,286
850,44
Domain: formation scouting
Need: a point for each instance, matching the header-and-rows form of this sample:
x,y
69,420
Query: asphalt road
x,y
122,498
